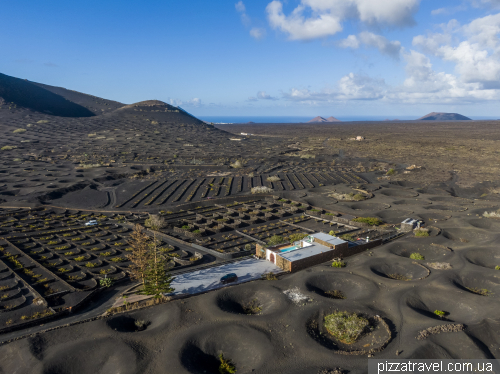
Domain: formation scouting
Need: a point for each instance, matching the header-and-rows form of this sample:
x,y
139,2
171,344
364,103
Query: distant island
x,y
319,119
438,116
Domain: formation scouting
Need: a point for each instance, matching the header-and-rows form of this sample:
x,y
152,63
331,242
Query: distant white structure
x,y
410,224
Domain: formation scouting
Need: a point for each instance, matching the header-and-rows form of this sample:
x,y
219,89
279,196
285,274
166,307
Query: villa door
x,y
271,257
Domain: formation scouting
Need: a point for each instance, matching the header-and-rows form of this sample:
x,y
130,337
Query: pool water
x,y
289,249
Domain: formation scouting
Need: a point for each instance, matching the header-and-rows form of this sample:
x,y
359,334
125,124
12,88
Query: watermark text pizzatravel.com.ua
x,y
433,366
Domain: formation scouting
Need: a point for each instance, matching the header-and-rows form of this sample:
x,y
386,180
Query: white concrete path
x,y
209,279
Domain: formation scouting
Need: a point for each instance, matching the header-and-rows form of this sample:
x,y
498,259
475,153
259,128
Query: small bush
x,y
391,172
497,267
372,221
275,239
479,291
8,147
106,282
492,214
19,131
421,233
226,366
332,233
417,256
296,237
253,307
440,313
261,189
274,178
237,164
399,277
335,294
269,276
43,121
346,327
338,264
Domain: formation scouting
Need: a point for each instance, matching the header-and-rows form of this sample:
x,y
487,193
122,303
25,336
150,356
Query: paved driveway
x,y
209,279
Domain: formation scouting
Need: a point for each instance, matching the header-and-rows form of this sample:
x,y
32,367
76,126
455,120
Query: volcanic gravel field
x,y
93,158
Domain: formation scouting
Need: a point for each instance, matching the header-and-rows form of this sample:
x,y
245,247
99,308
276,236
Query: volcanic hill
x,y
438,116
319,119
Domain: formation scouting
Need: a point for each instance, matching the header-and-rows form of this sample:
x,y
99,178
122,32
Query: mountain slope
x,y
18,94
439,116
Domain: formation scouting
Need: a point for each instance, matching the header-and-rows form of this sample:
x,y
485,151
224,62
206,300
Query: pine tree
x,y
157,280
140,256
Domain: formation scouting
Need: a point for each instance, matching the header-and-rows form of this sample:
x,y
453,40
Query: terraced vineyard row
x,y
173,191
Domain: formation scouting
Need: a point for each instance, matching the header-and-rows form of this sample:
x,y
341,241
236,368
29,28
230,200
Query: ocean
x,y
293,119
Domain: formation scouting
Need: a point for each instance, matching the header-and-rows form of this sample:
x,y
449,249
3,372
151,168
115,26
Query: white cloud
x,y
473,48
422,85
349,87
350,42
313,19
257,32
448,10
262,95
369,39
485,3
240,7
195,102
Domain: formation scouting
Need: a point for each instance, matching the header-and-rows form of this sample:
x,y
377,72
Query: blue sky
x,y
294,57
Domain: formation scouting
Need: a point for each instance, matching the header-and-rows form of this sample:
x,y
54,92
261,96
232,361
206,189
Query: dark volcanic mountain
x,y
323,120
438,116
18,93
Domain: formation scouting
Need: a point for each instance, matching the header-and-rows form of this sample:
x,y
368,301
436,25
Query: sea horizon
x,y
304,119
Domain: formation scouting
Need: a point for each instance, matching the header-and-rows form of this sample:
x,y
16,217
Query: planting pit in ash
x,y
125,323
400,271
251,302
341,286
434,253
90,356
369,206
485,257
451,302
399,193
246,347
374,337
478,283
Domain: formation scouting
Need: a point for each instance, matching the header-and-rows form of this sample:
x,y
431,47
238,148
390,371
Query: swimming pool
x,y
289,249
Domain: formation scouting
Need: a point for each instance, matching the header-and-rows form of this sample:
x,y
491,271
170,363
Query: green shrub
x,y
8,147
391,172
226,366
275,239
417,256
332,233
346,327
19,131
335,294
372,221
497,267
421,233
440,313
348,237
479,291
296,237
338,264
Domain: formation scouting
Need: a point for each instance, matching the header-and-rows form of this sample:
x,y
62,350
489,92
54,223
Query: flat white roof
x,y
301,253
333,240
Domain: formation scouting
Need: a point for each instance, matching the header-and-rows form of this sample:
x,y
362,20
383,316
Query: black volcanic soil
x,y
150,156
